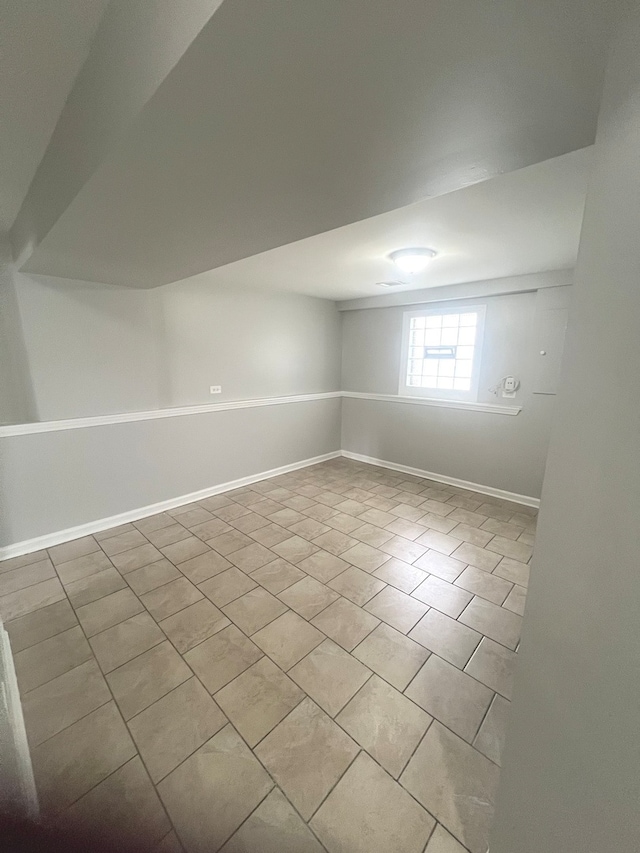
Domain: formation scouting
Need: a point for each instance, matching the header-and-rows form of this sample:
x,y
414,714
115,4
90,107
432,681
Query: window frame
x,y
471,395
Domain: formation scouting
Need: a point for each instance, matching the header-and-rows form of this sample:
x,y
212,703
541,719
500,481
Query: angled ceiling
x,y
43,46
284,120
524,222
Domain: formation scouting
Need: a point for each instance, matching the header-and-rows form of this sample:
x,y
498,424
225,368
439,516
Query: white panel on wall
x,y
550,326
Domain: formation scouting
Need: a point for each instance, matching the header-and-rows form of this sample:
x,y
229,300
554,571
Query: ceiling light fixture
x,y
390,283
412,260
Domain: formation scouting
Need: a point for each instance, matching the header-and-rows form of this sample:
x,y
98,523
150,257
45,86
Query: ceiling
x,y
285,120
525,222
43,45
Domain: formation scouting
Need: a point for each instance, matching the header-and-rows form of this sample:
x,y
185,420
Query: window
x,y
441,351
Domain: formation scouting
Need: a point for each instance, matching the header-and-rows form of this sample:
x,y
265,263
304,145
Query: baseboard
x,y
57,538
525,500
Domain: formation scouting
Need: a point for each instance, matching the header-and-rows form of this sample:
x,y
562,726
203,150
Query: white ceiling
x,y
43,45
524,222
284,120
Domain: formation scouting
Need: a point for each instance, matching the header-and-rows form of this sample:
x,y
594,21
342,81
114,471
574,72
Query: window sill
x,y
489,408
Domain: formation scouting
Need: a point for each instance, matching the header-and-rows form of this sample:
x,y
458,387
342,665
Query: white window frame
x,y
471,395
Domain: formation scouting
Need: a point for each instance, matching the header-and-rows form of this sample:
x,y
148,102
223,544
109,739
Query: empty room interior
x,y
319,444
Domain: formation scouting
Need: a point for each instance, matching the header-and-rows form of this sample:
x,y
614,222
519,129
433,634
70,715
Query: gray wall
x,y
571,770
17,403
252,343
56,480
489,449
99,349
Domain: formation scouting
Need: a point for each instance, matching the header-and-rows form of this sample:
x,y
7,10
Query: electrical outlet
x,y
215,389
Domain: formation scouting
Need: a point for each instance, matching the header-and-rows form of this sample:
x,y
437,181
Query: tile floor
x,y
320,661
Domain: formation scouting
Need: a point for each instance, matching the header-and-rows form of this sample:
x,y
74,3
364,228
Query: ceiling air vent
x,y
390,283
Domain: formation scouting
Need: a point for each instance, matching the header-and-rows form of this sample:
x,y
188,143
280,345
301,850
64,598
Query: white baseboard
x,y
525,500
60,536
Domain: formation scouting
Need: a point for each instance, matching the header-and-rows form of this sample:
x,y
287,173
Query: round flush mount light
x,y
412,260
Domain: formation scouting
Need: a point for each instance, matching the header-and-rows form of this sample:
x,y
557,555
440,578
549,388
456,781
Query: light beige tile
x,y
204,566
227,586
516,600
167,535
323,566
335,542
60,702
443,842
258,699
444,596
472,535
82,567
513,571
456,784
35,627
330,676
295,548
306,754
368,812
407,529
169,844
508,548
31,598
451,696
277,575
210,529
478,557
274,827
125,641
308,597
185,549
169,598
377,517
493,731
371,535
494,666
403,549
500,624
345,623
123,811
472,519
251,522
136,558
446,637
50,658
232,540
251,557
440,565
153,522
231,511
191,626
391,655
91,588
192,515
270,535
437,522
385,723
218,660
356,585
108,611
142,681
484,584
27,576
114,531
343,523
24,560
211,793
76,759
286,517
441,542
401,575
215,502
172,728
321,513
397,609
288,639
527,538
503,528
408,512
465,501
309,528
152,576
254,610
112,545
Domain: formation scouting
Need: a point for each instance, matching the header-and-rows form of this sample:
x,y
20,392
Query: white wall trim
x,y
9,430
129,417
490,408
50,539
525,500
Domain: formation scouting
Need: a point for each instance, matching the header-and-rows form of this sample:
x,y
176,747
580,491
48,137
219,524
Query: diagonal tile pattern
x,y
321,661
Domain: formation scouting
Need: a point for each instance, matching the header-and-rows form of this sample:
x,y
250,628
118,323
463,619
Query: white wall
x,y
489,449
571,770
17,403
